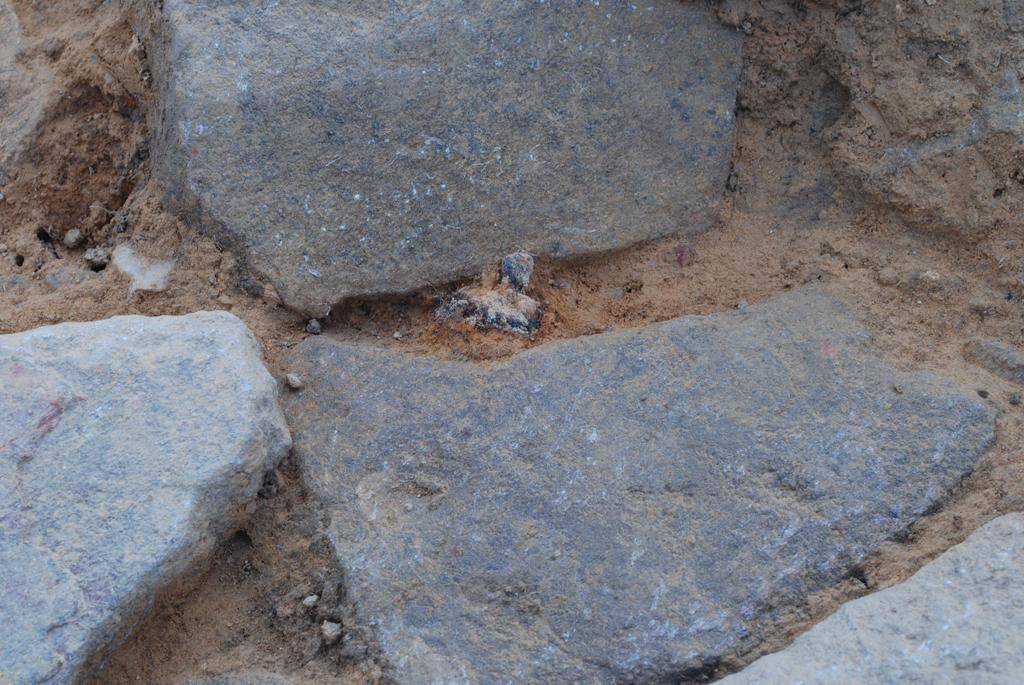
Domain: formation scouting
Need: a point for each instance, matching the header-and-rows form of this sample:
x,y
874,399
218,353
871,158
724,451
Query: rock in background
x,y
629,505
956,620
26,91
124,446
934,126
358,148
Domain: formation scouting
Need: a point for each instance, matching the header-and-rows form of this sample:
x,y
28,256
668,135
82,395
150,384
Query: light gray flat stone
x,y
960,619
124,446
628,505
353,148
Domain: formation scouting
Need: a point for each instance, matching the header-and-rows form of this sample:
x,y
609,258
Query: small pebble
x,y
743,304
295,381
311,601
396,335
213,279
1015,398
271,296
97,257
73,238
331,632
3,247
888,276
517,270
313,327
983,394
224,299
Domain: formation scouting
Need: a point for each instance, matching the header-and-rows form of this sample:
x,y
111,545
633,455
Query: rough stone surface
x,y
1004,360
124,446
956,620
357,148
244,679
628,504
26,91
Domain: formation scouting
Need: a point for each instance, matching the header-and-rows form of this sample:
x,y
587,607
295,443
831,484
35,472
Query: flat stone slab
x,y
26,92
956,620
124,446
358,148
632,504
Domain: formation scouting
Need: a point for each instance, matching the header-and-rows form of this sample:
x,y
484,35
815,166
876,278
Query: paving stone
x,y
998,357
357,148
956,620
633,504
125,446
26,91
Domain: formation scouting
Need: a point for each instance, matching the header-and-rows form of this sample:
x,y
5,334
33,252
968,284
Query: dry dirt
x,y
828,89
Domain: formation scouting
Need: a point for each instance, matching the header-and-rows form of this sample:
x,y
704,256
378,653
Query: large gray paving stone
x,y
352,148
125,444
630,504
26,91
957,620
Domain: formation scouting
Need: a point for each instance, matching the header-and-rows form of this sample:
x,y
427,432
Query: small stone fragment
x,y
56,275
97,258
743,304
397,335
1002,359
503,308
295,381
270,295
1015,398
73,238
313,327
331,632
887,276
516,270
311,601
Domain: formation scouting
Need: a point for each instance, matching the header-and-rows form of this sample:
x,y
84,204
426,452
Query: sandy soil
x,y
827,89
